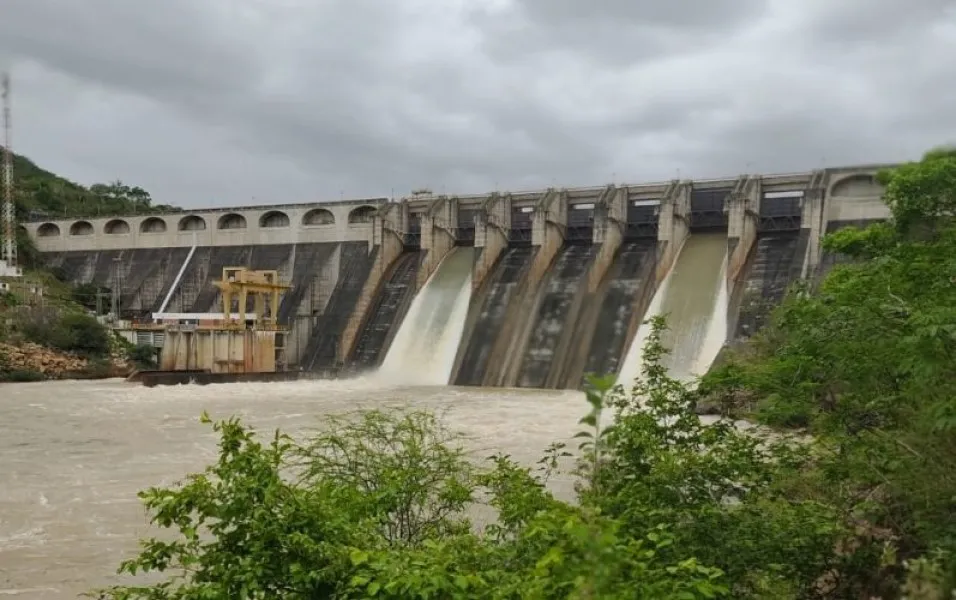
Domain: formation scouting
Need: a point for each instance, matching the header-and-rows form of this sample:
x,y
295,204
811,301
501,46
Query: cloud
x,y
222,101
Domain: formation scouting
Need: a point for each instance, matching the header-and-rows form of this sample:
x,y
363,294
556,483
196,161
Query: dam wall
x,y
560,282
344,221
854,199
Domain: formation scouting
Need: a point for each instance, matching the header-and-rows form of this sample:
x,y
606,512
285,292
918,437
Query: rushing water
x,y
423,352
74,454
694,298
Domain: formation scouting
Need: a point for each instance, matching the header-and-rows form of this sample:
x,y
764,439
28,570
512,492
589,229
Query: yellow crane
x,y
238,282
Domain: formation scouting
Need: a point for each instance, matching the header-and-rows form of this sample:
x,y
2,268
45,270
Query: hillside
x,y
40,194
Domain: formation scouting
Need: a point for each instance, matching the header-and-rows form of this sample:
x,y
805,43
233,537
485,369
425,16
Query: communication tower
x,y
8,227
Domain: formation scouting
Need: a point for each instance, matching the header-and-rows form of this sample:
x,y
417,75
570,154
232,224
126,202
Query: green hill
x,y
40,194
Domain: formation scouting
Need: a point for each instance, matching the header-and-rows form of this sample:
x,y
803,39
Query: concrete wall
x,y
328,222
389,226
743,206
609,222
849,194
491,236
438,236
673,226
219,351
841,195
547,234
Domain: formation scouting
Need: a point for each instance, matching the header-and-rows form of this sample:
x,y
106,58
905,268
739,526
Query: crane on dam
x,y
238,282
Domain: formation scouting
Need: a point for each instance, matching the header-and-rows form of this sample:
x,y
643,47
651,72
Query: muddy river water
x,y
74,454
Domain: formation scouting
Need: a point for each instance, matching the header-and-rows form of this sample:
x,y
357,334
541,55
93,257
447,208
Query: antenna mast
x,y
8,251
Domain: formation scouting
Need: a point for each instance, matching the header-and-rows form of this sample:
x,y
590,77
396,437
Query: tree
x,y
866,363
117,197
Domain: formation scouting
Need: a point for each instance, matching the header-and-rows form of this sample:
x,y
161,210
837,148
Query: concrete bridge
x,y
343,256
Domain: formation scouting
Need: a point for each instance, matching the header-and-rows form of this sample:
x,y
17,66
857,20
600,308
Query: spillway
x,y
607,335
355,264
694,299
553,323
424,348
390,304
776,262
489,313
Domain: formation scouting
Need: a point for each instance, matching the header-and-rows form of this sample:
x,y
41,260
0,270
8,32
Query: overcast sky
x,y
219,102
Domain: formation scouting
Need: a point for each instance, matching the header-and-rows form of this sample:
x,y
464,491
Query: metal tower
x,y
8,227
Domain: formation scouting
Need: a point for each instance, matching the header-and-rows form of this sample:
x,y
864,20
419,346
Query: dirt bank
x,y
32,362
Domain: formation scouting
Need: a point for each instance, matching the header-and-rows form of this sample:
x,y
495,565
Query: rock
x,y
54,364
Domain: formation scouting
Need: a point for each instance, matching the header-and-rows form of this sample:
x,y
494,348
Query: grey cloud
x,y
874,22
716,15
227,100
620,32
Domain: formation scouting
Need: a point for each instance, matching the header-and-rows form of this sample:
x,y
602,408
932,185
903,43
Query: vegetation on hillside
x,y
60,320
55,333
40,194
55,338
376,505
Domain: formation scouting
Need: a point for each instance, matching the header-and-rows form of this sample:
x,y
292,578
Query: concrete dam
x,y
530,289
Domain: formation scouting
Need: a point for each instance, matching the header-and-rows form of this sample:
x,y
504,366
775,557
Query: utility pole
x,y
8,228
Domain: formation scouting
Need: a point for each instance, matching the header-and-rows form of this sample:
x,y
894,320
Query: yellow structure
x,y
238,282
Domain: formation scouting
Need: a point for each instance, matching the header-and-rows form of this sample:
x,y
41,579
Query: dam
x,y
507,289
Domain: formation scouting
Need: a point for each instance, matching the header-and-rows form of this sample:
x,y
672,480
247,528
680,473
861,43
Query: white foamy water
x,y
423,351
694,298
73,455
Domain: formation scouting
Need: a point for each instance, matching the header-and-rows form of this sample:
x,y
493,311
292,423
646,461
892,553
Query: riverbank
x,y
32,362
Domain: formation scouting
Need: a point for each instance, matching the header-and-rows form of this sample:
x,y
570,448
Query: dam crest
x,y
523,289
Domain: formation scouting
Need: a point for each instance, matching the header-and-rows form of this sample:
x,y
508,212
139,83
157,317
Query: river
x,y
73,455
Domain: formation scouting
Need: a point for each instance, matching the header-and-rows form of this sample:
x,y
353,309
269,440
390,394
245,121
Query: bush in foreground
x,y
376,504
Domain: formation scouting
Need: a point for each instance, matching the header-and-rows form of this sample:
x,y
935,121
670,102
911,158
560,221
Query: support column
x,y
673,226
547,232
743,206
439,225
492,224
610,217
813,218
388,227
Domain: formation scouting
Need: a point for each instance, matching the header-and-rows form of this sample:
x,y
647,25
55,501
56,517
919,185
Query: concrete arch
x,y
116,227
362,214
81,228
153,225
319,216
860,185
231,221
48,230
192,223
273,219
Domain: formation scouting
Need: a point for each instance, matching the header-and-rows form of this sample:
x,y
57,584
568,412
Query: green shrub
x,y
144,356
8,300
66,331
21,376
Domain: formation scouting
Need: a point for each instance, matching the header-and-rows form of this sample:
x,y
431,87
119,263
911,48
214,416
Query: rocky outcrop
x,y
52,364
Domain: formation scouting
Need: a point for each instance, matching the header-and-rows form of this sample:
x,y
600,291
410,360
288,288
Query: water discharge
x,y
694,299
74,454
424,348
